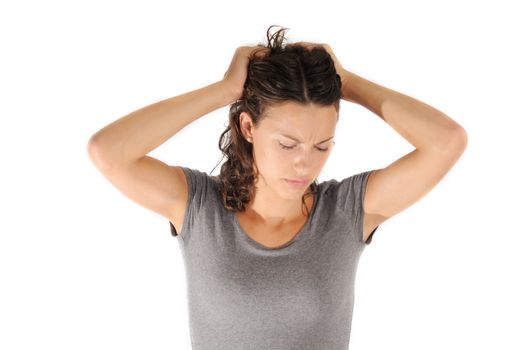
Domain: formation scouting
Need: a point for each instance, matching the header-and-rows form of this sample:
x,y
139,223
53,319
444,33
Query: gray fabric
x,y
243,295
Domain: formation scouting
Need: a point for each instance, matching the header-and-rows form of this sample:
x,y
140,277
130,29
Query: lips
x,y
298,181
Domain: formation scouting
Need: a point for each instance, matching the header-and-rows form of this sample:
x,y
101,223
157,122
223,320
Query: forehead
x,y
295,115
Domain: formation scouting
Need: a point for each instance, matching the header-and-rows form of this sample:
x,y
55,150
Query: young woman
x,y
270,254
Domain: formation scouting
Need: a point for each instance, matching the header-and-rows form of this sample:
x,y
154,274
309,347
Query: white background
x,y
84,267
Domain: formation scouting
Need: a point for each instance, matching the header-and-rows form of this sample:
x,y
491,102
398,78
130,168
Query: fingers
x,y
308,45
260,51
257,51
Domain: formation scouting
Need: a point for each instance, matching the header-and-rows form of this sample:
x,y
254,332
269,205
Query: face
x,y
293,141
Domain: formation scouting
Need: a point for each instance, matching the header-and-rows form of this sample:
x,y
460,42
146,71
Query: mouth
x,y
297,182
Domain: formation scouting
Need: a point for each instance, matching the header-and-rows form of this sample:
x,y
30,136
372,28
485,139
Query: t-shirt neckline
x,y
297,238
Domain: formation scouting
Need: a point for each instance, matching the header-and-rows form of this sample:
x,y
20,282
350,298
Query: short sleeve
x,y
350,196
198,185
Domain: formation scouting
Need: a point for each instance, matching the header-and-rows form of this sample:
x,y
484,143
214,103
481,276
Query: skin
x,y
276,204
120,149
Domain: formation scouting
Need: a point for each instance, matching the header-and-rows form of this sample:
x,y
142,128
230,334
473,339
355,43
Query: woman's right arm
x,y
119,149
138,133
133,136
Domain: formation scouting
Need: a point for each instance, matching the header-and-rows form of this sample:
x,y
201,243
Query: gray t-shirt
x,y
243,295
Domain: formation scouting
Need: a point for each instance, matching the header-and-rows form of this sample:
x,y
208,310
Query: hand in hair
x,y
234,77
343,73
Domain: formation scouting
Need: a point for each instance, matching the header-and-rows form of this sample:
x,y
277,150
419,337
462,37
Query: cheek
x,y
270,160
274,162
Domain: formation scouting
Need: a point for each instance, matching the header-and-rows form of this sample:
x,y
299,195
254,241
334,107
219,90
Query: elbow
x,y
460,137
95,154
452,141
457,140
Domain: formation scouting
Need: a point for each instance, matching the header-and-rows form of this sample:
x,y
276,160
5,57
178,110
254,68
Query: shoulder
x,y
202,198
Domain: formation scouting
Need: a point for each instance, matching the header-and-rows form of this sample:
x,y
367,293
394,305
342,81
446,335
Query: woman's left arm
x,y
422,125
439,143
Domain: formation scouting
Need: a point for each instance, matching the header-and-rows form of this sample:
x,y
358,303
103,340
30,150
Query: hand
x,y
234,77
338,67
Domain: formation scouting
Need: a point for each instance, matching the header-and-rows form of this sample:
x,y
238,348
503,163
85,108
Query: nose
x,y
302,163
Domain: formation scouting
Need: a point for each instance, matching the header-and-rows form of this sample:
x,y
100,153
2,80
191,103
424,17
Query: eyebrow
x,y
291,137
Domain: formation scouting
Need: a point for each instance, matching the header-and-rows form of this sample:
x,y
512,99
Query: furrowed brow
x,y
297,140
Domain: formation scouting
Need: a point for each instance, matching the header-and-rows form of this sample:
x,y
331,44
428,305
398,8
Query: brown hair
x,y
284,73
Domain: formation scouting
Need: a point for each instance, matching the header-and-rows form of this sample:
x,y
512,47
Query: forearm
x,y
420,124
138,133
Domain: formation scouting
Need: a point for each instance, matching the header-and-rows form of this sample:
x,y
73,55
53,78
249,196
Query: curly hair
x,y
284,73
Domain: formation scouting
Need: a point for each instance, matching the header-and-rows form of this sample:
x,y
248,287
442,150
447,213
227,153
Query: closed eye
x,y
291,147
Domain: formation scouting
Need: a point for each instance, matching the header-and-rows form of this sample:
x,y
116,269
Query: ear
x,y
246,125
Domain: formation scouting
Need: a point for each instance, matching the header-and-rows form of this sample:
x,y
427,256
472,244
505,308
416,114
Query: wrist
x,y
347,86
230,95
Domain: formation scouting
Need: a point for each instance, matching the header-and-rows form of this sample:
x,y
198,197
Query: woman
x,y
270,261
